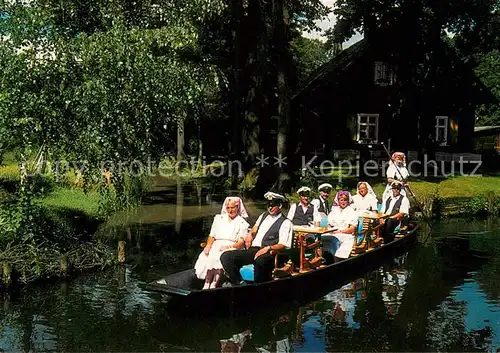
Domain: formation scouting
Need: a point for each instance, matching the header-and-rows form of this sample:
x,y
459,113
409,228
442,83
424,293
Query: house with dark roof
x,y
371,93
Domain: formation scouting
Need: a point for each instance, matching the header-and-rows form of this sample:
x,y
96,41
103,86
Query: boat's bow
x,y
177,284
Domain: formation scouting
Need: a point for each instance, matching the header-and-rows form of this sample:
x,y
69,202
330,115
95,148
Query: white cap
x,y
304,189
324,186
274,196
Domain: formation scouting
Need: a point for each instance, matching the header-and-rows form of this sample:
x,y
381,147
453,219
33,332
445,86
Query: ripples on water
x,y
444,297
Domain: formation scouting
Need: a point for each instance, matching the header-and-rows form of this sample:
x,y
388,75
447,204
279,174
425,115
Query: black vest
x,y
302,219
323,206
272,235
396,207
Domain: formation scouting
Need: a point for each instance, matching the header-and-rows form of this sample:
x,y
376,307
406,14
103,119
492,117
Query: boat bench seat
x,y
246,273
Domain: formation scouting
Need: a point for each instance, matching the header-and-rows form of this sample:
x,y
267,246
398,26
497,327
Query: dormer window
x,y
384,74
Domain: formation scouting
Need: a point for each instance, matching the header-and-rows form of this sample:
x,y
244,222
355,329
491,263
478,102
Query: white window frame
x,y
383,73
441,124
367,123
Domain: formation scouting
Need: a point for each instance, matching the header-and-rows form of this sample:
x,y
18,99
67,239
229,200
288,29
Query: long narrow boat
x,y
185,291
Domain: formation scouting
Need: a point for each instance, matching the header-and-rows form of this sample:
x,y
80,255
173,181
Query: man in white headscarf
x,y
272,232
228,232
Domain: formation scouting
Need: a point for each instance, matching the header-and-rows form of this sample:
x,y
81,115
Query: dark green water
x,y
444,295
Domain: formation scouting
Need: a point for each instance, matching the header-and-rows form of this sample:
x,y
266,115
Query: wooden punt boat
x,y
184,288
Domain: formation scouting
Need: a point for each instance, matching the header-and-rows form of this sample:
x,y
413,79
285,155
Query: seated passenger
x,y
303,213
397,206
321,203
227,233
345,220
365,200
272,232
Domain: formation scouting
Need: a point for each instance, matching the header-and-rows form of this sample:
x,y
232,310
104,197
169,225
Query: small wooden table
x,y
302,231
374,215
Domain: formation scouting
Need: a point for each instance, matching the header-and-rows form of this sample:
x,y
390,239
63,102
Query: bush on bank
x,y
47,224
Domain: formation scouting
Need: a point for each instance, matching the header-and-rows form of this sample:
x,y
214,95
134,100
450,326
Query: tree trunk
x,y
179,204
235,88
283,61
199,166
180,139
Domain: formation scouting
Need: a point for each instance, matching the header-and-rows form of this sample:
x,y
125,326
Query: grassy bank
x,y
48,225
455,196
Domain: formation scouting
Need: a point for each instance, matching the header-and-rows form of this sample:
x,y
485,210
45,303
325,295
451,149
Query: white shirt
x,y
318,202
293,208
343,218
285,232
362,204
223,228
405,205
392,172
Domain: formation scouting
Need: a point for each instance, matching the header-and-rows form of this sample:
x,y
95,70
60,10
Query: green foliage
x,y
309,54
488,71
126,192
424,18
485,204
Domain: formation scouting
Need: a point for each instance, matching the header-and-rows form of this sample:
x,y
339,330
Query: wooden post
x,y
121,276
7,272
121,251
6,302
64,264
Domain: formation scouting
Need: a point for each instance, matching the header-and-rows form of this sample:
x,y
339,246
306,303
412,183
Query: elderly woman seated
x,y
365,200
345,220
228,232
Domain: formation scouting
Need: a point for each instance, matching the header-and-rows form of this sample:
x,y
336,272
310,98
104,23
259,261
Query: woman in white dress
x,y
396,171
228,232
365,200
345,219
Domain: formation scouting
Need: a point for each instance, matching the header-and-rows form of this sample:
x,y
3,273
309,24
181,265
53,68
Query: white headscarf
x,y
368,186
394,157
241,208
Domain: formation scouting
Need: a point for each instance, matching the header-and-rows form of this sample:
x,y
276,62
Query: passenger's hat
x,y
303,190
325,187
396,185
272,196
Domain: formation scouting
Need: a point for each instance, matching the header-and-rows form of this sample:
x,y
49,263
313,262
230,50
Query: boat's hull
x,y
183,286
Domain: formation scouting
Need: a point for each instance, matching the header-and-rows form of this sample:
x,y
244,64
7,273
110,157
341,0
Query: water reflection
x,y
235,343
444,296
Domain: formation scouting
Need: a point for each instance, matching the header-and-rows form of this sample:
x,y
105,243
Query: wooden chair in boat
x,y
306,254
367,236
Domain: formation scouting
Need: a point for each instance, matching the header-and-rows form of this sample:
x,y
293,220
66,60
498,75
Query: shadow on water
x,y
443,295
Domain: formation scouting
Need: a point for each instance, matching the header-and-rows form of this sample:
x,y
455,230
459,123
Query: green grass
x,y
73,199
446,188
461,186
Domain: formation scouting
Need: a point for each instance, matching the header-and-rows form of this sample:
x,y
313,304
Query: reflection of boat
x,y
185,288
235,343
